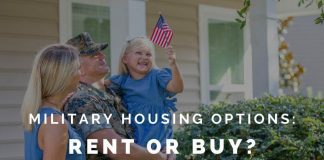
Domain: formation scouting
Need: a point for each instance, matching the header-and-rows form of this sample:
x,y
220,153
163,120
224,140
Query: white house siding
x,y
306,41
25,27
182,16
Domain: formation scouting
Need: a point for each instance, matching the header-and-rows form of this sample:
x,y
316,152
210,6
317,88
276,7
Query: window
x,y
225,63
93,16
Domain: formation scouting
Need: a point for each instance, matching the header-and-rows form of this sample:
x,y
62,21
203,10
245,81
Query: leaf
x,y
238,20
248,3
320,4
300,2
244,9
242,24
245,2
318,20
240,14
310,3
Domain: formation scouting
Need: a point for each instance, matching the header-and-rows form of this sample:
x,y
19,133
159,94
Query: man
x,y
93,97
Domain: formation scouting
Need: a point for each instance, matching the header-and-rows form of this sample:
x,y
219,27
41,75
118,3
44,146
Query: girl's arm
x,y
176,83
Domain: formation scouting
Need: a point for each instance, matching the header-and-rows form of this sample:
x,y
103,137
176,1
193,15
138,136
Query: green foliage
x,y
303,140
301,3
243,13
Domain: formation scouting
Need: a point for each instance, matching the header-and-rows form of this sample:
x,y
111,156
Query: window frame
x,y
224,14
65,15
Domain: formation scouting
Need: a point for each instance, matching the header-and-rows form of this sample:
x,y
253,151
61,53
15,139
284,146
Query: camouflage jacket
x,y
88,100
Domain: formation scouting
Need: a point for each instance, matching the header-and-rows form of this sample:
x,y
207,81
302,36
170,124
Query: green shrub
x,y
303,140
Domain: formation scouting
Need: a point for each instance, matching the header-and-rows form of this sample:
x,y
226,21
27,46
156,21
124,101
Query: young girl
x,y
146,89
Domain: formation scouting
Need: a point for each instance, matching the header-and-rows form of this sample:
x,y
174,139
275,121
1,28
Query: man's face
x,y
94,65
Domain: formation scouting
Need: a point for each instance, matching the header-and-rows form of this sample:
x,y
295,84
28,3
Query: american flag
x,y
162,33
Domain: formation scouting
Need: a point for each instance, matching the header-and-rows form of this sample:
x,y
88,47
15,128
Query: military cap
x,y
85,44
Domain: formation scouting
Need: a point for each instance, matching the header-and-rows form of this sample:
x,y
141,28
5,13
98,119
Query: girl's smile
x,y
138,61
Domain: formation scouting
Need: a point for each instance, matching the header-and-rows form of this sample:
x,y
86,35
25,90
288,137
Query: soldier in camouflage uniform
x,y
89,99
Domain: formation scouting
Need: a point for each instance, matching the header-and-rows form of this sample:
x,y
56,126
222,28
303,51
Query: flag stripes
x,y
162,33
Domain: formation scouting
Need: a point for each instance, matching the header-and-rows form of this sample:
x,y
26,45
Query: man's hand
x,y
107,82
171,156
136,152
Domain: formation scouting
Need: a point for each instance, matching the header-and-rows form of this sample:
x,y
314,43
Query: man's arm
x,y
86,104
136,151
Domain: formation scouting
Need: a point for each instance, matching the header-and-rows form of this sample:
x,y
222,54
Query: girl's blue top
x,y
32,150
148,96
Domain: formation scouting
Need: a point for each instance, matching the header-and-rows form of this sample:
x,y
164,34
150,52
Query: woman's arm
x,y
53,138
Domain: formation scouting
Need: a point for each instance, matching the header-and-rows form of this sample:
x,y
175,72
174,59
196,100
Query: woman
x,y
55,74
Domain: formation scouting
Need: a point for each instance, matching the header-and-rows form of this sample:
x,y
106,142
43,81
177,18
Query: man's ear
x,y
82,72
82,67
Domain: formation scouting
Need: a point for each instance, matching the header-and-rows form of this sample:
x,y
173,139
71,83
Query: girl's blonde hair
x,y
132,44
51,75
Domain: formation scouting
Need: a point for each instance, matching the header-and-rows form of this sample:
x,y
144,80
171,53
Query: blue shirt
x,y
32,150
147,96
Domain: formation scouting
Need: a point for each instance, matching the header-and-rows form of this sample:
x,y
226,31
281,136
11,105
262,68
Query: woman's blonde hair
x,y
51,75
132,44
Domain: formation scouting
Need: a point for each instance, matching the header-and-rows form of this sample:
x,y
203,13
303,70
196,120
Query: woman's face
x,y
139,60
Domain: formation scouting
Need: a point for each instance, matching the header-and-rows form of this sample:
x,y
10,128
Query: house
x,y
217,59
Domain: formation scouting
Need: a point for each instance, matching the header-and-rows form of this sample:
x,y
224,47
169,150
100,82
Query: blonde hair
x,y
132,44
51,75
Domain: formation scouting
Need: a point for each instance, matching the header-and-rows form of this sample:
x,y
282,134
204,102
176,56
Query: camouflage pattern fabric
x,y
88,100
86,45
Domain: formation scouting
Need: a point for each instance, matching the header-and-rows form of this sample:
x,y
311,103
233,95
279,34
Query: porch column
x,y
127,19
264,40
